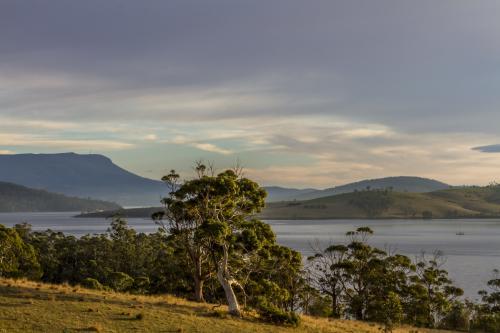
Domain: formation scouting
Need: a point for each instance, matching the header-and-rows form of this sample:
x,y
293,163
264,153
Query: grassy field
x,y
32,307
453,203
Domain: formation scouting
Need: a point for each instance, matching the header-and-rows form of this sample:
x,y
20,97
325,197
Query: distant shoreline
x,y
148,211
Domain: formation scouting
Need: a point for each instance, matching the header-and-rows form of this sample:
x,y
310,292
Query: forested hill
x,y
16,198
81,175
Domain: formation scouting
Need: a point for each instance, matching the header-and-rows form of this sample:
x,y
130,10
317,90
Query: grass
x,y
27,306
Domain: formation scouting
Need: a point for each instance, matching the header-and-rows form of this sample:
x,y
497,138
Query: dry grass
x,y
33,307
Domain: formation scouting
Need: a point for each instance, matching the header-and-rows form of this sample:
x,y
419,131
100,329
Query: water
x,y
470,258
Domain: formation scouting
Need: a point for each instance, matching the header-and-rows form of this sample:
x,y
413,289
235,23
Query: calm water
x,y
469,258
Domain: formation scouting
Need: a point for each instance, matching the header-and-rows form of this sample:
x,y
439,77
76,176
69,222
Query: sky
x,y
300,93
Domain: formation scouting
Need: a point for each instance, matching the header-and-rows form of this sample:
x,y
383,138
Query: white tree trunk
x,y
227,284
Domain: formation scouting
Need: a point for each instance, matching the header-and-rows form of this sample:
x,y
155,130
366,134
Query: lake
x,y
470,258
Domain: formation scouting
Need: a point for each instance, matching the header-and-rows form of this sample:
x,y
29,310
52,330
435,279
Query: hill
x,y
452,203
35,307
94,176
277,193
466,202
17,198
398,184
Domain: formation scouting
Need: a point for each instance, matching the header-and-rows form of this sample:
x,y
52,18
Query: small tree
x,y
326,274
435,291
392,312
17,259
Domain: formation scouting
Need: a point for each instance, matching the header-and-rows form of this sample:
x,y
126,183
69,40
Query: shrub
x,y
272,314
392,312
458,318
120,281
141,285
92,284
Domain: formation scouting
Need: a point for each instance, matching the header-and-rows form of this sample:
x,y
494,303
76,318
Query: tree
x,y
185,210
327,275
17,259
210,216
433,292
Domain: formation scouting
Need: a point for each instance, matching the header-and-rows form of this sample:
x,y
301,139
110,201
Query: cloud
x,y
305,95
18,140
151,137
488,149
212,148
6,152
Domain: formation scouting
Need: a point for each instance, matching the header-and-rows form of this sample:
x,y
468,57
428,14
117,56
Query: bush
x,y
141,285
92,284
392,312
120,281
489,323
320,307
457,319
272,314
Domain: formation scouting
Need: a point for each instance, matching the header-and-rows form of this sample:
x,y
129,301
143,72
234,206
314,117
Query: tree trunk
x,y
197,277
335,309
226,282
198,289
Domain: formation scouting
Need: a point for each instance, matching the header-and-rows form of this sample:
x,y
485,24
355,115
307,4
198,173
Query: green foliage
x,y
17,259
391,311
141,285
91,283
120,281
458,318
271,313
369,284
487,314
210,217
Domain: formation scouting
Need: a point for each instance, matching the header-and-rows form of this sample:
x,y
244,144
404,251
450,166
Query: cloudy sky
x,y
302,93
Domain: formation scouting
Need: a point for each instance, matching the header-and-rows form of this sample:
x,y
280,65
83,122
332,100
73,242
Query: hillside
x,y
451,203
277,193
34,307
398,184
94,176
467,202
16,198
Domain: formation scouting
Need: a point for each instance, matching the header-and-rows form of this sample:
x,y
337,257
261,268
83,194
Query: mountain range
x,y
96,176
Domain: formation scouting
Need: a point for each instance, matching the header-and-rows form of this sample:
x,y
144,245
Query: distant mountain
x,y
94,176
398,184
276,193
17,198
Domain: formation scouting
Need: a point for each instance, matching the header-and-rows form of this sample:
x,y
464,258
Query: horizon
x,y
309,95
264,185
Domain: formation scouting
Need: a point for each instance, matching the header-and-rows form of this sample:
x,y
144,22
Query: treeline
x,y
208,248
